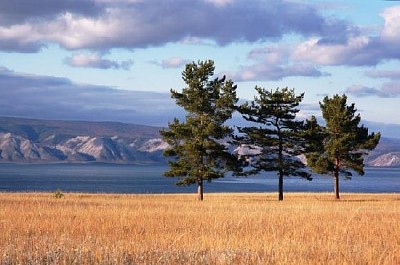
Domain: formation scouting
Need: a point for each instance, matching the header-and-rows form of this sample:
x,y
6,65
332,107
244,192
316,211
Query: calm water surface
x,y
112,178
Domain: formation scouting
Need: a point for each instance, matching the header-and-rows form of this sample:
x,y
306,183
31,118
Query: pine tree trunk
x,y
336,179
200,195
281,165
280,197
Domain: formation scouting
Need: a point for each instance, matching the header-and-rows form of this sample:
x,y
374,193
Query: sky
x,y
116,60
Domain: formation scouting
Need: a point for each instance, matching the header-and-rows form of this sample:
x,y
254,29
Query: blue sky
x,y
117,59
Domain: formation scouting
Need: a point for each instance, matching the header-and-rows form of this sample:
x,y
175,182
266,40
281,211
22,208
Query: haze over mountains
x,y
29,140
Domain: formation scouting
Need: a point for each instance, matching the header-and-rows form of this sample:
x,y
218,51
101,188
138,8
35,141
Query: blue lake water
x,y
113,178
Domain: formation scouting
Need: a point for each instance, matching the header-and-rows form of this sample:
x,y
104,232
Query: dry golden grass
x,y
37,228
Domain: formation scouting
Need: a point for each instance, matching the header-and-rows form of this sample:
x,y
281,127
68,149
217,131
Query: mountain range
x,y
29,140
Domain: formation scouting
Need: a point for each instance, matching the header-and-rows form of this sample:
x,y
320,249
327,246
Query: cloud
x,y
102,25
266,72
390,74
391,89
388,90
358,50
272,63
46,97
173,62
95,61
18,12
220,3
362,91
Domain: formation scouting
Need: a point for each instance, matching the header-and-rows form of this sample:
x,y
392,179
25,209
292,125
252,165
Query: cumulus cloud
x,y
388,90
358,49
46,97
391,29
101,24
273,63
95,61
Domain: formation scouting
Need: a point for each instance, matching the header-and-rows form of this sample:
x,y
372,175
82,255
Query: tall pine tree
x,y
196,144
341,146
278,138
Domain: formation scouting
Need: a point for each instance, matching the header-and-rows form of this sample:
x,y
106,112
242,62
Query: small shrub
x,y
58,194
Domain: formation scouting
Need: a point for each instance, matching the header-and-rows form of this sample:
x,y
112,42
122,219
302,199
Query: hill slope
x,y
28,140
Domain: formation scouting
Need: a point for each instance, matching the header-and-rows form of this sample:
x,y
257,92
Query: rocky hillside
x,y
25,140
386,154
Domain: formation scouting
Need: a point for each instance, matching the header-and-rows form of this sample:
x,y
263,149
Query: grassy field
x,y
37,228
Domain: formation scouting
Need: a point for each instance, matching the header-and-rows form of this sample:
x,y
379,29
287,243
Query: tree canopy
x,y
196,144
277,138
340,147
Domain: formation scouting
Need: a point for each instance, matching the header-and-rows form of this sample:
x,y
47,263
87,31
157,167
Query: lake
x,y
115,178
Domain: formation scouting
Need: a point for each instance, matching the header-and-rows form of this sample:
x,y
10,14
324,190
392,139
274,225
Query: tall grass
x,y
37,228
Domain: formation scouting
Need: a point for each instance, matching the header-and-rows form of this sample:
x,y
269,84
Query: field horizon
x,y
225,228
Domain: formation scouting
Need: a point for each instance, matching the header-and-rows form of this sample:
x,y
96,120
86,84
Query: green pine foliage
x,y
277,137
196,147
340,147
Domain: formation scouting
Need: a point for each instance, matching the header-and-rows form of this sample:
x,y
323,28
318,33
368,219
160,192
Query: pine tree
x,y
341,146
196,144
278,138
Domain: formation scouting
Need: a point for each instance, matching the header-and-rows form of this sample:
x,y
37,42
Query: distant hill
x,y
386,154
29,140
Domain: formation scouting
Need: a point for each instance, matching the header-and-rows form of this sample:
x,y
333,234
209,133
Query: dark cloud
x,y
125,24
34,11
47,97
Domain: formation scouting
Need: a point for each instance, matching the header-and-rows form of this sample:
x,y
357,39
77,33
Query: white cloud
x,y
95,61
268,72
358,50
174,62
273,63
333,54
391,30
